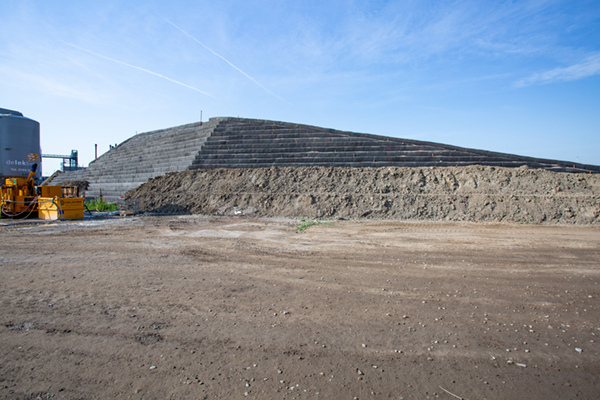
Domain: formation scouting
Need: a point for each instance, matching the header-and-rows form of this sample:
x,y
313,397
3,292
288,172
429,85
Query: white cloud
x,y
141,69
405,33
223,58
588,67
51,85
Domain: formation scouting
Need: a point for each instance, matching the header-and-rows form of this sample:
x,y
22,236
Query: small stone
x,y
364,345
522,365
279,371
509,362
579,350
153,367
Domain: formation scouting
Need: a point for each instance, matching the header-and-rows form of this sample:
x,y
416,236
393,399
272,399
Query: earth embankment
x,y
472,193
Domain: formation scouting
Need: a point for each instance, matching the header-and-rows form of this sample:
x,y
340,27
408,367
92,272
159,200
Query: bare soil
x,y
195,306
473,193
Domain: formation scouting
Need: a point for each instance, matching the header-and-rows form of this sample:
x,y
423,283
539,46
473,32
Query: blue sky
x,y
519,77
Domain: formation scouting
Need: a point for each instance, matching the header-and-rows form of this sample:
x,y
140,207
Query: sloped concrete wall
x,y
140,158
226,142
243,143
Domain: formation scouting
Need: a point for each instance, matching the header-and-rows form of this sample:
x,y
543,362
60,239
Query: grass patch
x,y
308,222
101,205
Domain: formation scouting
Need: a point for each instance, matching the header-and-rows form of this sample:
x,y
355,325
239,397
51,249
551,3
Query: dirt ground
x,y
206,307
472,193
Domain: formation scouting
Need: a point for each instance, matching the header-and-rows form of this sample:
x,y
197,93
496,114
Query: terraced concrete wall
x,y
140,158
243,143
246,143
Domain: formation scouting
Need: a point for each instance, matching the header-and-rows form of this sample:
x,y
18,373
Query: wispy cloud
x,y
224,59
49,84
588,67
411,33
141,69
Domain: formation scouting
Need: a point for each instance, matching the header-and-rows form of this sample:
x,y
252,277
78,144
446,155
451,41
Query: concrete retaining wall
x,y
225,142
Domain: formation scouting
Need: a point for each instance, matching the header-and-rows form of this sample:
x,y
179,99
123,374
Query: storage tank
x,y
19,145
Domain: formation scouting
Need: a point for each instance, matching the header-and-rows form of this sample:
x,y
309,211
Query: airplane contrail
x,y
141,69
222,58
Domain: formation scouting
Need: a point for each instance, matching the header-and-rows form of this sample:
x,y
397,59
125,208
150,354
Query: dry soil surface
x,y
470,193
199,307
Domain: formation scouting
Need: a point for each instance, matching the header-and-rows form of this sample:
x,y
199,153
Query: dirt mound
x,y
520,195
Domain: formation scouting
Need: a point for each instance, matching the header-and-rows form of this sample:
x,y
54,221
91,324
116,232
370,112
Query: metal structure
x,y
20,159
19,144
21,198
69,163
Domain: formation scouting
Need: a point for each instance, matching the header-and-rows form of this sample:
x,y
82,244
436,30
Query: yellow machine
x,y
20,198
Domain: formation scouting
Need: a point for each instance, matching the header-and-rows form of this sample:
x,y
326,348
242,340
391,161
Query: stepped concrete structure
x,y
225,142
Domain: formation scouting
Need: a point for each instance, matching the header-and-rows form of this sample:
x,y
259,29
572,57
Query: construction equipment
x,y
20,198
19,195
